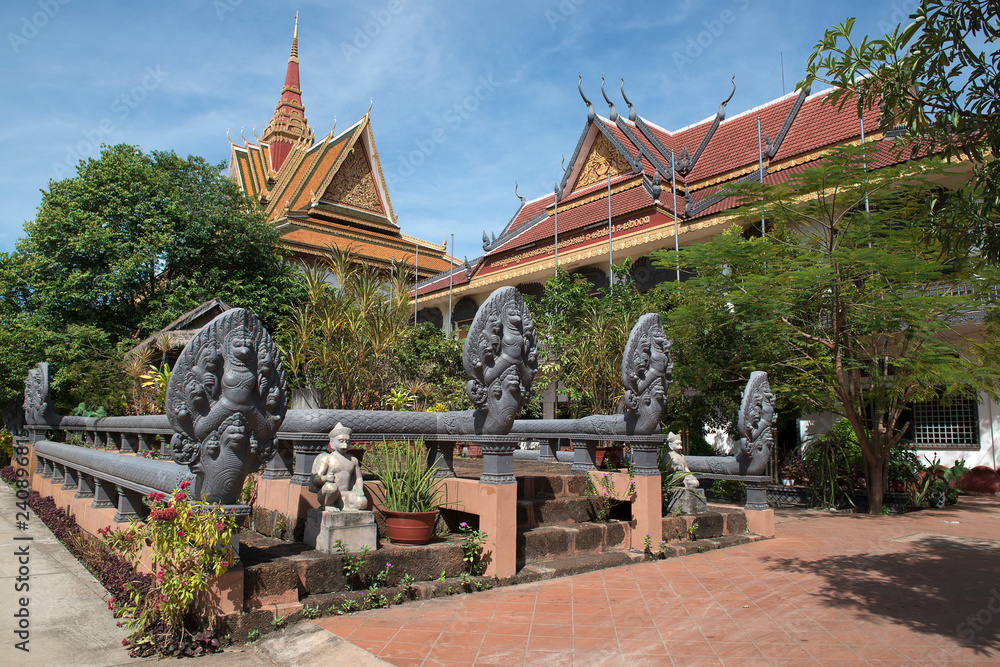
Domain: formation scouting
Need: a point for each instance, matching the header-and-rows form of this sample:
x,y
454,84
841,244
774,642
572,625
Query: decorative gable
x,y
354,184
602,157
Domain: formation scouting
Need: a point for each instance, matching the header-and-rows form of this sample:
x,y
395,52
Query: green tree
x,y
932,77
583,333
130,243
865,318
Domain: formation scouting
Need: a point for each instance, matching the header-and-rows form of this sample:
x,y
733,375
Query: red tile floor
x,y
829,589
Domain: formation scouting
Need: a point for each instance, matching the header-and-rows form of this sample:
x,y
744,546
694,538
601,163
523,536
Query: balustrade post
x,y
647,508
58,472
48,469
97,439
498,505
72,478
440,456
129,443
547,448
145,442
130,505
105,494
307,447
86,486
280,465
584,456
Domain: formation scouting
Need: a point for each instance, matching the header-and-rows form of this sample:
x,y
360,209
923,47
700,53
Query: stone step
x,y
570,539
535,512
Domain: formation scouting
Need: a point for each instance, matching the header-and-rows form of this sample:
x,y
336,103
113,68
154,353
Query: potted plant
x,y
409,490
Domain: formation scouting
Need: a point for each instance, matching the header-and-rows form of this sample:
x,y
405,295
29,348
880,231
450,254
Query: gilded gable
x,y
601,158
354,184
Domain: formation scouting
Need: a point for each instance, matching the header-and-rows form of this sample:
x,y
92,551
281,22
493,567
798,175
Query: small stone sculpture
x,y
678,463
336,476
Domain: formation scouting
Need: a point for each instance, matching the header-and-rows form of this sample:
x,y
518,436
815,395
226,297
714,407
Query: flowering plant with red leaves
x,y
190,544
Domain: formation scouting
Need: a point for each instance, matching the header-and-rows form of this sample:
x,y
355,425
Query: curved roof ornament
x,y
254,132
591,114
632,115
227,137
721,115
516,195
486,240
371,101
556,192
244,138
612,113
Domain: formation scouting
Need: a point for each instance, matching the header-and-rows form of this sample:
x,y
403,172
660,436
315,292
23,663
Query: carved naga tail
x,y
226,401
756,419
500,358
38,409
646,371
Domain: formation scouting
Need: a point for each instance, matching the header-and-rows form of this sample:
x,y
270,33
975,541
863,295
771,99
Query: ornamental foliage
x,y
855,312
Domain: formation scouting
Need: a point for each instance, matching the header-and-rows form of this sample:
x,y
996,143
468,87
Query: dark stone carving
x,y
755,423
226,401
37,402
646,370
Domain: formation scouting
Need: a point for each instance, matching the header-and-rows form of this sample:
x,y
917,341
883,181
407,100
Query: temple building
x,y
650,188
619,183
326,193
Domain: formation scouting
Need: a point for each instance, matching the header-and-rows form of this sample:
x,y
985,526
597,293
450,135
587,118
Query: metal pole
x,y
760,171
673,189
555,272
416,280
864,161
611,259
451,271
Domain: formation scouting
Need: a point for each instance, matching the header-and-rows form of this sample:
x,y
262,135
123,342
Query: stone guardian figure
x,y
336,476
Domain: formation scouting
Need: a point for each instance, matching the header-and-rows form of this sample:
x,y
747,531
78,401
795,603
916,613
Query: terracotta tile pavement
x,y
830,589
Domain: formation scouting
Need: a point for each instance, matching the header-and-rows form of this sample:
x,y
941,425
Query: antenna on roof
x,y
782,56
591,114
632,115
612,113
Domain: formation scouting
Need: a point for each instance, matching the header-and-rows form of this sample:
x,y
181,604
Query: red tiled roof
x,y
819,125
622,203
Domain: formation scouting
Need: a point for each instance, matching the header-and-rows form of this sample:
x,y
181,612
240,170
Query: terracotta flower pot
x,y
410,527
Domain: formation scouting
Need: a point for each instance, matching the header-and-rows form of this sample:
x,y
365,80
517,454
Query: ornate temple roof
x,y
330,192
642,158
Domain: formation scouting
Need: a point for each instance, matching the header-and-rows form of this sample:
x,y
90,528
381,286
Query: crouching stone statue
x,y
336,475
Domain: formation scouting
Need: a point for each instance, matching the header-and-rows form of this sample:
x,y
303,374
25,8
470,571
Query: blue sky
x,y
469,97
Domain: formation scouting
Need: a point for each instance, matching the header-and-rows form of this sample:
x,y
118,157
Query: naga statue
x,y
500,357
646,370
38,409
756,419
225,402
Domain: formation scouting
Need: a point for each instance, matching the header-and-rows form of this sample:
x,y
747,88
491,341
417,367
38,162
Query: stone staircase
x,y
558,534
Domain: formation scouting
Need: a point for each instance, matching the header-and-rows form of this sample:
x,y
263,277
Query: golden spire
x,y
295,39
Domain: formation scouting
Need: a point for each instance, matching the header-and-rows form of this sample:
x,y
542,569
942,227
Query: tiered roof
x,y
642,158
326,193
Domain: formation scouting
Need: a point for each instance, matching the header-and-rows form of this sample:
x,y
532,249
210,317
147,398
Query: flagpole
x,y
673,188
416,280
556,246
611,259
451,271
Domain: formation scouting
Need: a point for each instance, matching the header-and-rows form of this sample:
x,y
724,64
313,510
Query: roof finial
x,y
516,195
721,115
371,102
564,162
254,132
295,39
486,239
244,138
227,137
632,115
613,113
591,114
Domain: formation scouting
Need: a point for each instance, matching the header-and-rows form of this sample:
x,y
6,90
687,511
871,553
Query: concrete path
x,y
922,588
